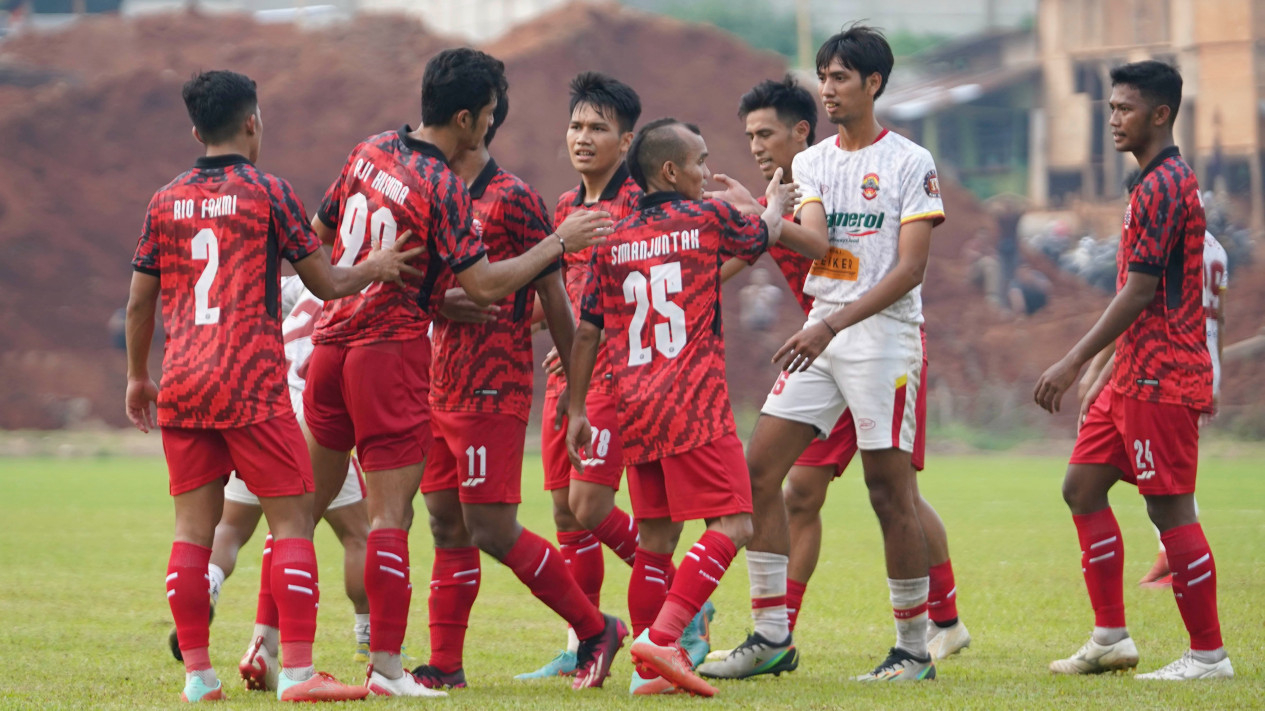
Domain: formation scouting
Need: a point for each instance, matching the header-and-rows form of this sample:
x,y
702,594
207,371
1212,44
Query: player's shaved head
x,y
610,97
658,142
218,102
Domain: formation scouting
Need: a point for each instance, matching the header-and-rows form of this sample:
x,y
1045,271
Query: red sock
x,y
388,588
648,588
541,569
1102,561
266,608
454,584
189,596
942,603
619,532
794,599
582,553
1194,584
298,594
701,571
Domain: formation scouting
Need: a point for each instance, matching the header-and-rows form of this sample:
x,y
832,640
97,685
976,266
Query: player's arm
x,y
780,197
142,304
583,359
731,268
384,264
556,309
486,281
1097,375
1138,291
913,249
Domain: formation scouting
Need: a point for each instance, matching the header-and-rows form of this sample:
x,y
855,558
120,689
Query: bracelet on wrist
x,y
562,243
833,332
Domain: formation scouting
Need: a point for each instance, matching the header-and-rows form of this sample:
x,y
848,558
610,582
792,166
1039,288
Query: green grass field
x,y
83,618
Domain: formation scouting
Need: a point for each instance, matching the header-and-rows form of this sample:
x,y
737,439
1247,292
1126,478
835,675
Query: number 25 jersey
x,y
214,237
654,286
393,183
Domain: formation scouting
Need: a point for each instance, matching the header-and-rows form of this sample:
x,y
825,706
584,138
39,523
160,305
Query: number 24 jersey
x,y
654,286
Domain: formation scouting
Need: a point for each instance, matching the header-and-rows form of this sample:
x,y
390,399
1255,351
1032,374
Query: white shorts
x,y
353,490
872,368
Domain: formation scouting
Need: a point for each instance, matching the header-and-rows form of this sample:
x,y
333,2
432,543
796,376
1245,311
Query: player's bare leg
x,y
351,524
329,471
197,512
946,634
1110,648
805,495
1194,588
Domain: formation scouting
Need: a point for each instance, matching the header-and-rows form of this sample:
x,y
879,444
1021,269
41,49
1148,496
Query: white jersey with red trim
x,y
302,309
1215,282
868,194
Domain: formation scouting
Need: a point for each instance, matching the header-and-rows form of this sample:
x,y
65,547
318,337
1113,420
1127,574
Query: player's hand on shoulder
x,y
584,228
736,194
579,437
141,393
801,349
390,262
459,307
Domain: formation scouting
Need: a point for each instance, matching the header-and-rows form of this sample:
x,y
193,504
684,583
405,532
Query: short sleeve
x,y
145,260
530,216
742,236
920,191
332,204
452,224
1154,224
295,238
803,167
591,308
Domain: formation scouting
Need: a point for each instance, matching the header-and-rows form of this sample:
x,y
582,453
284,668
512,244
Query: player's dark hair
x,y
218,101
655,144
862,49
609,96
460,79
1157,82
498,116
792,102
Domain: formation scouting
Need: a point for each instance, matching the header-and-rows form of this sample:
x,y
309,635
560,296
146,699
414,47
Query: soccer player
x,y
654,289
347,515
211,246
604,112
781,119
369,376
876,196
1143,427
480,397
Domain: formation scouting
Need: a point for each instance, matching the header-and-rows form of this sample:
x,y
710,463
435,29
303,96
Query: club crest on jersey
x,y
1128,216
477,228
931,184
869,186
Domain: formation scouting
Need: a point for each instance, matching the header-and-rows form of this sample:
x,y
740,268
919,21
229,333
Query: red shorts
x,y
705,482
479,454
372,398
270,457
1154,445
607,450
840,447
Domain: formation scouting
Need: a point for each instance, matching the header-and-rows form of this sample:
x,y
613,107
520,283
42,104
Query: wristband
x,y
833,332
562,242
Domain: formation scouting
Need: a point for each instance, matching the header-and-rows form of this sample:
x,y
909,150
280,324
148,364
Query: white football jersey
x,y
868,194
302,309
1215,282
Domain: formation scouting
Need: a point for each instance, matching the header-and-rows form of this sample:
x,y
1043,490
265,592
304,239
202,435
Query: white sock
x,y
215,574
361,628
389,665
206,675
299,673
573,641
767,575
271,635
909,595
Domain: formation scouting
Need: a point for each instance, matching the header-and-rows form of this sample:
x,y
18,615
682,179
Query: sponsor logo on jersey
x,y
931,184
856,224
869,186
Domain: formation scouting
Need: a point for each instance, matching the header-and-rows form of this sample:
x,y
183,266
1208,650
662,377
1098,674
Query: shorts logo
x,y
869,186
931,184
866,424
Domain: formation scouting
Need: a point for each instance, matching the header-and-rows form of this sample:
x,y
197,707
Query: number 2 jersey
x,y
215,237
654,287
393,183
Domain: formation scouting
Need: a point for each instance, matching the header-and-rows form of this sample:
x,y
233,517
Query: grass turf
x,y
83,618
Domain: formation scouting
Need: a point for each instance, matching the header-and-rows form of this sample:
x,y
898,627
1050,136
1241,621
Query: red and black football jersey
x,y
620,200
215,238
392,183
1163,355
487,367
655,288
793,265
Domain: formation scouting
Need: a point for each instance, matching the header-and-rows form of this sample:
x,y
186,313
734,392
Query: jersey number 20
x,y
669,336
